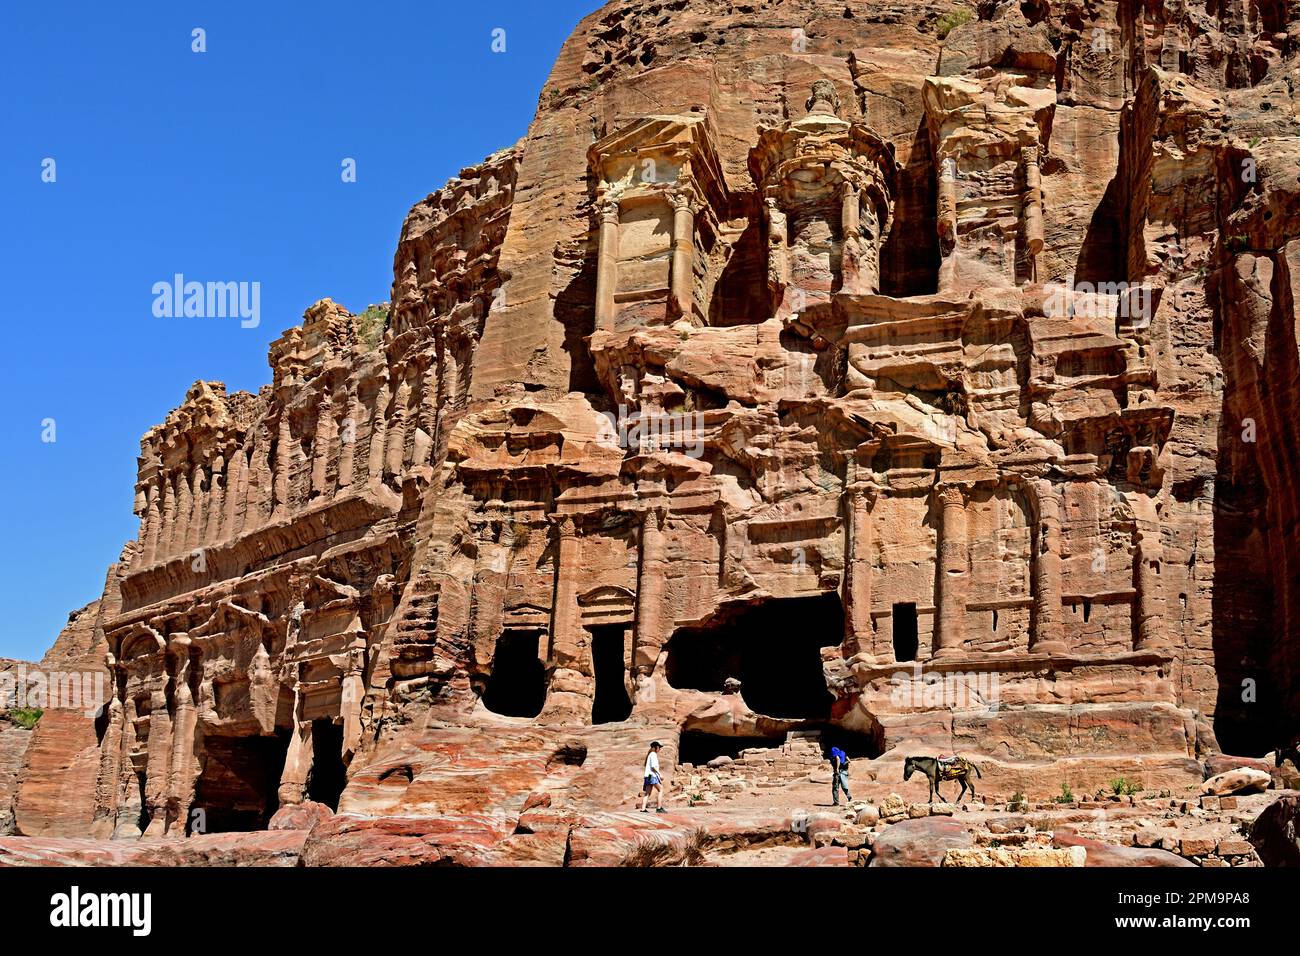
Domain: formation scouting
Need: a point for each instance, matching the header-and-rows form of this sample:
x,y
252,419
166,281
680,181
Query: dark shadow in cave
x,y
772,647
517,685
237,790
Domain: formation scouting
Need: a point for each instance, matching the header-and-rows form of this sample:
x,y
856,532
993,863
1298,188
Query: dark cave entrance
x,y
858,746
608,646
517,686
905,634
237,789
328,775
698,748
772,647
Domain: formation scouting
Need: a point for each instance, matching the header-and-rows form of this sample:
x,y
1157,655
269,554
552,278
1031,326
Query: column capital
x,y
609,211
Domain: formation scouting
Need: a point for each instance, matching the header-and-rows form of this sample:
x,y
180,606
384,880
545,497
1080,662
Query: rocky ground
x,y
765,807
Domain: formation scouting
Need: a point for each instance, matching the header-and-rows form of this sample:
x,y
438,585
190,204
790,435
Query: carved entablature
x,y
660,195
827,191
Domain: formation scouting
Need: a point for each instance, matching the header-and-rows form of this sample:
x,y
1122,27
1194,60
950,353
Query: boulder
x,y
922,842
1241,780
1275,834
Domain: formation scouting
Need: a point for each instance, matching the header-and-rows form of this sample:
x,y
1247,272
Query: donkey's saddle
x,y
950,768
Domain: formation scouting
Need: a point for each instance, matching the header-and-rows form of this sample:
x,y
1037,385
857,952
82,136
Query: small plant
x,y
1236,242
371,325
25,717
1067,795
951,21
1123,787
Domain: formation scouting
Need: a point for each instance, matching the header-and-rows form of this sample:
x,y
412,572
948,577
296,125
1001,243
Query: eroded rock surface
x,y
809,368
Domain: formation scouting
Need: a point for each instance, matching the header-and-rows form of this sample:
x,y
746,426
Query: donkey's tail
x,y
977,771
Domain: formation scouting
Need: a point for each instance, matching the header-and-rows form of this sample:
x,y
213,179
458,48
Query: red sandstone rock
x,y
913,484
1275,834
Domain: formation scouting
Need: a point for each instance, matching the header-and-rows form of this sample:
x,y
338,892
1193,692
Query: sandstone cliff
x,y
913,373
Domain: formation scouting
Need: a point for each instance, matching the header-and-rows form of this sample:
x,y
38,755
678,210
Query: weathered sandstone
x,y
802,371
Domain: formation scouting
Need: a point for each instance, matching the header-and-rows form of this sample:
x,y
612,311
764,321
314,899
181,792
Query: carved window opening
x,y
608,655
328,774
905,632
517,687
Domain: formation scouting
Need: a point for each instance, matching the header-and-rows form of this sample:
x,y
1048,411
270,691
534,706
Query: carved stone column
x,y
184,513
850,239
570,692
950,596
283,467
236,492
348,441
216,505
378,430
1048,635
395,445
152,525
181,776
1033,207
351,696
778,255
297,761
157,776
683,279
322,445
607,265
858,635
167,529
650,605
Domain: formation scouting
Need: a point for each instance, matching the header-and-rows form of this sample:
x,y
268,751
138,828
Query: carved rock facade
x,y
797,370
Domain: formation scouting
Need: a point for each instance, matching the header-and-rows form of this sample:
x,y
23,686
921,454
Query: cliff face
x,y
802,358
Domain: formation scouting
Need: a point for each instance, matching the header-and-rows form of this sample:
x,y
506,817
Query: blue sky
x,y
224,166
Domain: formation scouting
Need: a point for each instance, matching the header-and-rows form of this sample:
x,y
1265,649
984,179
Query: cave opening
x,y
697,747
905,634
857,745
608,646
237,788
517,686
773,647
328,774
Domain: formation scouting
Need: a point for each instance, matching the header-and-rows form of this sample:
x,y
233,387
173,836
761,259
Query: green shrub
x,y
371,325
1067,795
1123,787
951,21
25,717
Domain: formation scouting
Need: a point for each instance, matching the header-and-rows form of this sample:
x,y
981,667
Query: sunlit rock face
x,y
921,373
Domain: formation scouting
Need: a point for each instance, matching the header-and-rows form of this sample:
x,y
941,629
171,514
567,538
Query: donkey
x,y
1290,752
958,768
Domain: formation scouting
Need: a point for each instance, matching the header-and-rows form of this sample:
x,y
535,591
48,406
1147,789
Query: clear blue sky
x,y
224,166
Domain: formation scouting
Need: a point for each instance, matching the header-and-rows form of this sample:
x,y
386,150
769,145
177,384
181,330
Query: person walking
x,y
839,776
653,781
